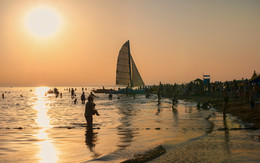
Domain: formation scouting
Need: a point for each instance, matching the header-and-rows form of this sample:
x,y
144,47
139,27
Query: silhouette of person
x,y
90,111
252,97
72,93
147,95
226,96
75,101
110,96
159,97
158,110
174,100
133,95
56,92
3,95
83,98
91,95
198,105
226,99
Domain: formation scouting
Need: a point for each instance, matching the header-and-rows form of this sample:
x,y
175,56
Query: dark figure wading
x,y
90,111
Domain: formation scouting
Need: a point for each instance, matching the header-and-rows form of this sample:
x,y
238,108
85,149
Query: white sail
x,y
127,73
123,71
136,77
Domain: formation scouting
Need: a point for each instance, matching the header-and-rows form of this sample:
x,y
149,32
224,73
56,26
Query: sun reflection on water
x,y
48,152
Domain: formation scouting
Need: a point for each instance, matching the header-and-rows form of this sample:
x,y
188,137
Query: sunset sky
x,y
171,41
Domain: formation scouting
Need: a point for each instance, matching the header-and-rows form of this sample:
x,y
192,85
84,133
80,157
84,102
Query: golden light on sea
x,y
47,151
42,21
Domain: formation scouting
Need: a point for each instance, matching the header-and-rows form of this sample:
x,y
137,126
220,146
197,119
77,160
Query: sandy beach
x,y
232,139
228,142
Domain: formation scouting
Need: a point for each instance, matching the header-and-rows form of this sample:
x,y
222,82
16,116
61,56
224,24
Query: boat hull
x,y
103,90
129,91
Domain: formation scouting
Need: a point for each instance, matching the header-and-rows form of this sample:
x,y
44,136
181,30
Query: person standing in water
x,y
83,98
72,93
110,96
75,101
226,99
90,111
252,94
91,95
3,95
159,96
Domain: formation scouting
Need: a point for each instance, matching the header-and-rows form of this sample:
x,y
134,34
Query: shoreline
x,y
158,151
148,155
240,110
218,146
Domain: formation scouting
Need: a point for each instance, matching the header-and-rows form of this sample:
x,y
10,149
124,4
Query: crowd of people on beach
x,y
243,91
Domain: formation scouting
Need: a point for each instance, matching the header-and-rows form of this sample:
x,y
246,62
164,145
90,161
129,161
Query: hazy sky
x,y
171,41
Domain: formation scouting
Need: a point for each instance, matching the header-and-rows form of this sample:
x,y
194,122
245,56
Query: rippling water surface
x,y
39,128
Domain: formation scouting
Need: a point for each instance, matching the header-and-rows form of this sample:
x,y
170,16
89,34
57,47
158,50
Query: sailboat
x,y
127,74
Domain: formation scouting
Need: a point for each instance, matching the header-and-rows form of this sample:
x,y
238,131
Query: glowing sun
x,y
42,21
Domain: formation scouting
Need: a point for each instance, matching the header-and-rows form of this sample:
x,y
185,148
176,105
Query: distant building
x,y
206,79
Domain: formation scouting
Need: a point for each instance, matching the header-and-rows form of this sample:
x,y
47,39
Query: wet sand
x,y
229,141
240,109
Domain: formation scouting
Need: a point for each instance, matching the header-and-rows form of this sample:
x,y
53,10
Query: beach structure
x,y
127,74
206,79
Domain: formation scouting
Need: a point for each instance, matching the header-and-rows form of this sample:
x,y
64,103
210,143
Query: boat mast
x,y
130,70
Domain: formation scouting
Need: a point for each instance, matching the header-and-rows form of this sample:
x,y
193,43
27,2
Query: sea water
x,y
40,127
